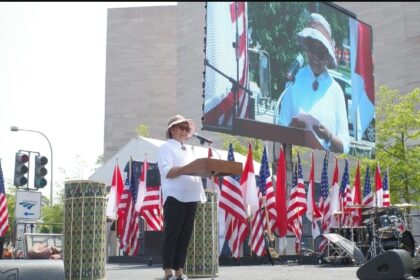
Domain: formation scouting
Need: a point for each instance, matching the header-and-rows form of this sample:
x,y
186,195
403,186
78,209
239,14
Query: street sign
x,y
28,205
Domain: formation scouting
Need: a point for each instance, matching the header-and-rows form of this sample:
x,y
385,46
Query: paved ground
x,y
263,272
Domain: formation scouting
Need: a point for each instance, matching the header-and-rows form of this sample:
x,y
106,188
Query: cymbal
x,y
355,206
403,205
373,210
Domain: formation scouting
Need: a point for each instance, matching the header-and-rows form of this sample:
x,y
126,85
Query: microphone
x,y
202,139
294,67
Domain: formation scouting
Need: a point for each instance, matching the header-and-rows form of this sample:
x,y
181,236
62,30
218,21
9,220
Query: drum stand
x,y
375,246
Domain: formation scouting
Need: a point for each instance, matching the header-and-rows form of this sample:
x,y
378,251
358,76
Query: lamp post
x,y
15,128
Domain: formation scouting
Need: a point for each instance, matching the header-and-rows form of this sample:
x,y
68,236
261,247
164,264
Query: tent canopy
x,y
142,148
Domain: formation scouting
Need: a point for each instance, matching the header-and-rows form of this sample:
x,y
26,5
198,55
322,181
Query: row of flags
x,y
129,201
268,211
251,206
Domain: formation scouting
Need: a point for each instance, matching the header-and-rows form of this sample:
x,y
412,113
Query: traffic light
x,y
21,169
40,171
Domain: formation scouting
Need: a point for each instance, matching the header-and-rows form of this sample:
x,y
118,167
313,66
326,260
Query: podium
x,y
209,167
203,254
267,131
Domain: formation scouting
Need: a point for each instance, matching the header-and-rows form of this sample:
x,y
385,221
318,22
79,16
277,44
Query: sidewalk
x,y
263,272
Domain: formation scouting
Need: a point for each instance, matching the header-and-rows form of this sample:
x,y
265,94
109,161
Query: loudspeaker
x,y
21,269
390,265
153,241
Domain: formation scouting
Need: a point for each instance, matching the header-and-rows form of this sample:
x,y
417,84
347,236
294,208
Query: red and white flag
x,y
232,202
362,82
379,192
357,199
252,204
312,213
297,205
4,214
114,198
281,205
386,194
128,217
335,199
249,186
151,210
226,22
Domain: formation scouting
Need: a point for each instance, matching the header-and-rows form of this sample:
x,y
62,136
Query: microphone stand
x,y
278,103
235,85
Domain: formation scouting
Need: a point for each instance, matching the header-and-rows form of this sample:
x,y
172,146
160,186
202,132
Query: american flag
x,y
367,192
151,210
345,196
297,204
385,186
4,215
379,192
128,215
266,189
232,202
324,203
151,204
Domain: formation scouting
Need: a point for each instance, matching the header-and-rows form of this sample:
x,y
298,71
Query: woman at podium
x,y
180,195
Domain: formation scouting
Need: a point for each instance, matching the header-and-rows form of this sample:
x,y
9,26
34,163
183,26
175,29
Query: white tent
x,y
142,147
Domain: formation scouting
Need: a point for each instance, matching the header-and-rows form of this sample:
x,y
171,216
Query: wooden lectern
x,y
208,167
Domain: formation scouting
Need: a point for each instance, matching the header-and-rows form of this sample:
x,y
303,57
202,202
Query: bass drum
x,y
407,242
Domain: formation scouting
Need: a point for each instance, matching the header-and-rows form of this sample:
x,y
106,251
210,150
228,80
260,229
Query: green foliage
x,y
238,146
53,217
398,138
397,144
142,130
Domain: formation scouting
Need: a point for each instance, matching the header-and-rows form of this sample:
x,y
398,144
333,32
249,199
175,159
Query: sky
x,y
52,80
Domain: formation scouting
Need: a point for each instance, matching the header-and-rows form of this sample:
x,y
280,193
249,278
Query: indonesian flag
x,y
362,85
115,194
335,198
281,205
379,192
249,185
312,213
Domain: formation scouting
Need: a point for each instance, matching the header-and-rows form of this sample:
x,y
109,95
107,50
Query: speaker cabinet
x,y
153,241
31,269
390,265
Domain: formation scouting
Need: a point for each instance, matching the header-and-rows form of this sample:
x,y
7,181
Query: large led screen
x,y
297,73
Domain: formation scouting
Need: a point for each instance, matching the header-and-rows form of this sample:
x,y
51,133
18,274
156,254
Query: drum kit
x,y
384,228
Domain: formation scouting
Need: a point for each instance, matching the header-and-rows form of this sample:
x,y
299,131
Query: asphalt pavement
x,y
252,272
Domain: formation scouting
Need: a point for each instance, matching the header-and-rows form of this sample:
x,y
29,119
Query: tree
x,y
142,130
257,145
397,142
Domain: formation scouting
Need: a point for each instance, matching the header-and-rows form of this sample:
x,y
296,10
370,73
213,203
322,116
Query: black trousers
x,y
178,226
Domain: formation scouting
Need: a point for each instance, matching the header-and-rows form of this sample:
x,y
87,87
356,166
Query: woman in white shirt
x,y
180,195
